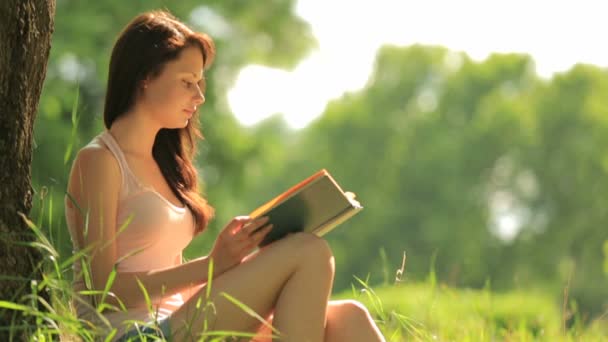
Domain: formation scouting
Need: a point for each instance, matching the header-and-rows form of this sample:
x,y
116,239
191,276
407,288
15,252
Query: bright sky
x,y
556,33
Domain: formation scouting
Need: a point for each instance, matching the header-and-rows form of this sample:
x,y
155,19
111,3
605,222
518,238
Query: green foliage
x,y
421,135
439,149
606,257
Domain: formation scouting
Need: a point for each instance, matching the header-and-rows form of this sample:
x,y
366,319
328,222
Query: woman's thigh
x,y
257,283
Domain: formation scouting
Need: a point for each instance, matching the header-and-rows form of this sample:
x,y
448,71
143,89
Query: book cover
x,y
316,204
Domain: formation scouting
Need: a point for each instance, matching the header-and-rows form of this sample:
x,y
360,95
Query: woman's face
x,y
173,96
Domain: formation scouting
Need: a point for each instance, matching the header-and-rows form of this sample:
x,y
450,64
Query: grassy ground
x,y
426,312
411,312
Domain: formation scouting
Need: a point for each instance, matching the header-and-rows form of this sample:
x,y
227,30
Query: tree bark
x,y
26,27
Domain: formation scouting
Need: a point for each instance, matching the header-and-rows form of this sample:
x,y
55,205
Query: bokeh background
x,y
485,173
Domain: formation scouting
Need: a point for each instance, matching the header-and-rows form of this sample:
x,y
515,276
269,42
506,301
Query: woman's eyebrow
x,y
189,73
201,77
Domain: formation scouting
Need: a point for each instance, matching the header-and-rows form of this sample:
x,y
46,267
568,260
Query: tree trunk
x,y
26,27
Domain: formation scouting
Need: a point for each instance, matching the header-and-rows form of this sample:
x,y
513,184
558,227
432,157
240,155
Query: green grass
x,y
425,312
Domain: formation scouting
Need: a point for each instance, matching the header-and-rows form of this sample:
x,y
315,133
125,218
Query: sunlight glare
x,y
557,34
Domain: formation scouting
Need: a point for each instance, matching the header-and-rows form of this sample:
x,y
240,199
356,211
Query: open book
x,y
316,204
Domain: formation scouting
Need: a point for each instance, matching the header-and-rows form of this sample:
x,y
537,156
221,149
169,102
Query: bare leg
x,y
293,276
347,320
301,308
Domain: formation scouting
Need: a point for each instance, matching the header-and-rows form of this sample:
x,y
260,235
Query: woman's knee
x,y
351,312
349,320
311,245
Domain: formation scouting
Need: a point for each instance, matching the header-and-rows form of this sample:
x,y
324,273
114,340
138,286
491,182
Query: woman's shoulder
x,y
94,171
95,158
96,152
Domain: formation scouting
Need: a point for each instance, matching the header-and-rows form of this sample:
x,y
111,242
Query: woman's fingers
x,y
258,236
244,235
245,226
254,226
254,239
237,223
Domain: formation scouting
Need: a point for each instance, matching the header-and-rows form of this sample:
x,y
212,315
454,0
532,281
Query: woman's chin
x,y
174,125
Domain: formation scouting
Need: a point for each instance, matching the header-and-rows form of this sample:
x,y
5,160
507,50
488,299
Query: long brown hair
x,y
144,46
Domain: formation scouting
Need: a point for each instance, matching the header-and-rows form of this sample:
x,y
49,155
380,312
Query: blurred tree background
x,y
482,172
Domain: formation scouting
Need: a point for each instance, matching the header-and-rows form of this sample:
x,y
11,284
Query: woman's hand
x,y
239,238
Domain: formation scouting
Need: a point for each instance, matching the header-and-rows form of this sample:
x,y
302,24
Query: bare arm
x,y
162,282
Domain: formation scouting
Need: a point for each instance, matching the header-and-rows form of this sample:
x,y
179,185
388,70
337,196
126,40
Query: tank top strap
x,y
129,184
111,143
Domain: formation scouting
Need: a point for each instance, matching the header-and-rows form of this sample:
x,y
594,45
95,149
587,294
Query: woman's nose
x,y
199,97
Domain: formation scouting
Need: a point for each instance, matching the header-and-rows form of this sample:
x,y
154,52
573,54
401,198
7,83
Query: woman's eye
x,y
188,84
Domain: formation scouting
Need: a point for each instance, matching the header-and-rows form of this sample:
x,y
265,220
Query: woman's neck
x,y
135,133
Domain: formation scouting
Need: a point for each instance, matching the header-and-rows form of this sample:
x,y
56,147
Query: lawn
x,y
429,312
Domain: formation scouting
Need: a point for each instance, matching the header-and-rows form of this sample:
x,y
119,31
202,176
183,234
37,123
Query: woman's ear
x,y
141,87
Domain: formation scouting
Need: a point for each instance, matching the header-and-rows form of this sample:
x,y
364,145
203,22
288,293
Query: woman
x,y
133,203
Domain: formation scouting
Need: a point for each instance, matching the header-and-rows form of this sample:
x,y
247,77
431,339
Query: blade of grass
x,y
249,311
373,298
209,279
111,335
51,217
75,121
108,285
41,195
145,293
44,242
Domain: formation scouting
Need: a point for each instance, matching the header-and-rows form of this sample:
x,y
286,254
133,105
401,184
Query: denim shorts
x,y
148,333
